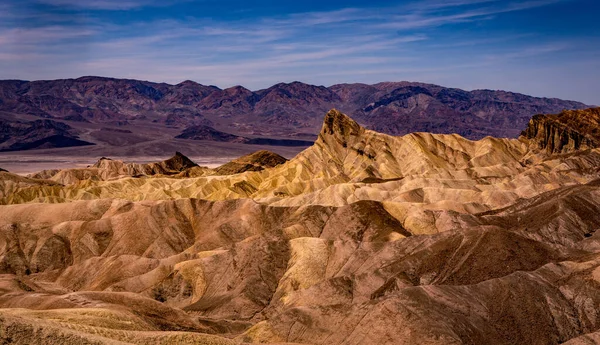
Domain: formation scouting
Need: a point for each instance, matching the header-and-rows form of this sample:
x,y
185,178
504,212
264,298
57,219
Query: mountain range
x,y
113,113
361,238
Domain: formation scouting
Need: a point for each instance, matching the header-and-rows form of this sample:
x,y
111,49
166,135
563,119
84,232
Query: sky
x,y
548,48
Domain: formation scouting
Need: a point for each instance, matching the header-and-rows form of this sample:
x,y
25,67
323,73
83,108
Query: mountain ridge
x,y
282,111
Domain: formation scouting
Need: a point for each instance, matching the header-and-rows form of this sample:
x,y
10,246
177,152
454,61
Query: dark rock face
x,y
179,162
207,133
565,132
339,124
37,134
202,132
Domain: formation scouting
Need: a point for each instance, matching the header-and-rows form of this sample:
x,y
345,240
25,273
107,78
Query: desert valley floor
x,y
362,238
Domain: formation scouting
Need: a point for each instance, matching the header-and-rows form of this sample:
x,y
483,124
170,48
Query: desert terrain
x,y
361,238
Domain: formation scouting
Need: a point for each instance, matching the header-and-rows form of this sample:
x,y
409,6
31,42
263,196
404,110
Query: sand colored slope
x,y
302,275
416,176
361,238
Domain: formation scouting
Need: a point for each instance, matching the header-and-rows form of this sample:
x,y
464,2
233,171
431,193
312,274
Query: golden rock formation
x,y
361,238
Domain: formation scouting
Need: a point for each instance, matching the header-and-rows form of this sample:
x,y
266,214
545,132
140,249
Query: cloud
x,y
441,4
528,52
323,18
425,17
99,4
46,35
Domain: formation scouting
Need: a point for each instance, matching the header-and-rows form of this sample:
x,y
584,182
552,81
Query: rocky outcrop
x,y
565,132
175,164
256,161
38,134
114,168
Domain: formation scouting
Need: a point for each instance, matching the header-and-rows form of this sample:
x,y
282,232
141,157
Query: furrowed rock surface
x,y
565,132
361,238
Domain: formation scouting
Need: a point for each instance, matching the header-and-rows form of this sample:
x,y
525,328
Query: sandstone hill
x,y
363,238
256,161
108,169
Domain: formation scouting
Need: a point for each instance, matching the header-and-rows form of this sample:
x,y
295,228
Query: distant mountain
x,y
202,132
37,134
283,111
400,108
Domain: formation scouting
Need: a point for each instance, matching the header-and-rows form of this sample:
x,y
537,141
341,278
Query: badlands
x,y
362,238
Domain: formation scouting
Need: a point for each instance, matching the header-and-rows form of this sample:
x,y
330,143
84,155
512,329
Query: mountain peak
x,y
188,83
339,128
336,122
179,162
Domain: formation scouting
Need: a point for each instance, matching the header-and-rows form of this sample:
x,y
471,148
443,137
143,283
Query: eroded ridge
x,y
361,238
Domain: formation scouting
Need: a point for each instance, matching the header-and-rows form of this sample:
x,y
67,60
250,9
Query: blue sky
x,y
540,47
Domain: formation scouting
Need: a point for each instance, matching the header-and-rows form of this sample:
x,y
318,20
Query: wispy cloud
x,y
543,49
102,4
440,4
45,35
427,17
414,40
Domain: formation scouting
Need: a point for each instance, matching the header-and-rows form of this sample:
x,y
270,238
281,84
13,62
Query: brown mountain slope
x,y
445,171
38,134
292,111
361,238
307,266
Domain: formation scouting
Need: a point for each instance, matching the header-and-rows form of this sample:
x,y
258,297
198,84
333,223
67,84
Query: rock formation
x,y
107,169
203,132
256,161
361,238
566,132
